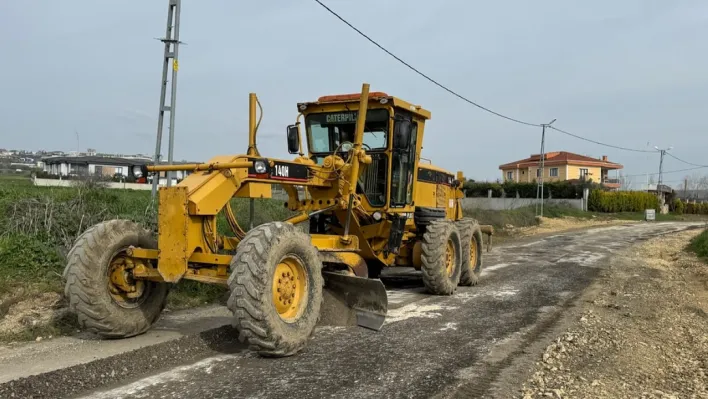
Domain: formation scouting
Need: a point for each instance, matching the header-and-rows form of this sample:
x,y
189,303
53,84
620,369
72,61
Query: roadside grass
x,y
16,179
699,245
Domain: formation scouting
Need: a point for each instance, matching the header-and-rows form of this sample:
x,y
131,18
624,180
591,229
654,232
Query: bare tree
x,y
625,182
693,184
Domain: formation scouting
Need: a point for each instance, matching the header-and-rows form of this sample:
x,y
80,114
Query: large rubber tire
x,y
251,283
87,282
434,255
471,237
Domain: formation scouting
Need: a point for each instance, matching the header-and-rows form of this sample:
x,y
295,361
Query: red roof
x,y
349,97
562,158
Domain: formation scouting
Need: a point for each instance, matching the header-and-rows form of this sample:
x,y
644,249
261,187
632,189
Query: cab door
x,y
405,138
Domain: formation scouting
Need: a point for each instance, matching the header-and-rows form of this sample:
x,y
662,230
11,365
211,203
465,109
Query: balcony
x,y
611,183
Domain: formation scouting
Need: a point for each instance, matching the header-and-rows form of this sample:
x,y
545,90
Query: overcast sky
x,y
631,72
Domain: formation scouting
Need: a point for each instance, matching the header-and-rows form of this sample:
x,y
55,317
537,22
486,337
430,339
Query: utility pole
x,y
171,41
661,170
542,163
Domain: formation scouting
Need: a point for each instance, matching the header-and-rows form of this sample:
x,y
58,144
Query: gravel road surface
x,y
472,344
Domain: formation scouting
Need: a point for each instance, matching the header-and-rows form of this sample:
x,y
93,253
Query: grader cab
x,y
369,202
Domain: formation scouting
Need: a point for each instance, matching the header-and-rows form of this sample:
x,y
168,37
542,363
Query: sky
x,y
629,73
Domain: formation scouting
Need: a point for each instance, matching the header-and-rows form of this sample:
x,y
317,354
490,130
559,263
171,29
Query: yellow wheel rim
x,y
289,288
450,258
473,253
125,291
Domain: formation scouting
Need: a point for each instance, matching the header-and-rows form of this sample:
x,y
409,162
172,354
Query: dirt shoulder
x,y
642,331
556,225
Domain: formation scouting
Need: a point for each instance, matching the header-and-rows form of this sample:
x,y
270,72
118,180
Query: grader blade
x,y
350,300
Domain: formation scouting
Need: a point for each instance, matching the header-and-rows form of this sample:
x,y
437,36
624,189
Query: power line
x,y
686,162
411,67
599,143
454,93
665,172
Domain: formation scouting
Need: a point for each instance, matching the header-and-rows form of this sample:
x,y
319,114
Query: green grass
x,y
699,245
15,179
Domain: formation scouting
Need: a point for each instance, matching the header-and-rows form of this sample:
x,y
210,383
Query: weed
x,y
699,245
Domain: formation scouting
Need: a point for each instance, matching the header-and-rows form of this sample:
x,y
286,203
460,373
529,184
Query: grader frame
x,y
355,233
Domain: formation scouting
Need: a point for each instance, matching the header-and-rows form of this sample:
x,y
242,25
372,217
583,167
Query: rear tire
x,y
471,237
441,257
88,285
276,314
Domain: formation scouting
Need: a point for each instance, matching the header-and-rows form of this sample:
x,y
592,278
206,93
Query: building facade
x,y
99,166
562,166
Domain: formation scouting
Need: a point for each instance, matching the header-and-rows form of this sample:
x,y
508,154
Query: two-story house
x,y
562,166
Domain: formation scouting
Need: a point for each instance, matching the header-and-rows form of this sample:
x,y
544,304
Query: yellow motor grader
x,y
370,204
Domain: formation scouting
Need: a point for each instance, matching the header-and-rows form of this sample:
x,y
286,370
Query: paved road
x,y
441,347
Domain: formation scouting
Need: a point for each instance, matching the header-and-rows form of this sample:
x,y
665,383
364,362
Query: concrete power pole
x,y
659,193
542,163
172,43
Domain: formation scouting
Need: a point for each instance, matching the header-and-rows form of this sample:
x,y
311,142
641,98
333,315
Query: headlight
x,y
138,171
260,166
377,216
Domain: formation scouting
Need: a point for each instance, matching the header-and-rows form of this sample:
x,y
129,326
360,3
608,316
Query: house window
x,y
509,175
538,172
583,173
554,172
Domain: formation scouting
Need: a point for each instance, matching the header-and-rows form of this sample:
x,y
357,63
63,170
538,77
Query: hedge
x,y
696,209
621,201
560,190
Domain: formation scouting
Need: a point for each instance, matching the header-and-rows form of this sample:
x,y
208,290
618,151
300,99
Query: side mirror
x,y
293,139
402,134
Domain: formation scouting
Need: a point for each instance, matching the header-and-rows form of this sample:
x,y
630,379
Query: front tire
x,y
276,289
441,257
95,265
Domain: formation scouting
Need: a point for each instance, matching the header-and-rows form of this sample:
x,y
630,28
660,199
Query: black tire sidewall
x,y
116,321
434,247
292,245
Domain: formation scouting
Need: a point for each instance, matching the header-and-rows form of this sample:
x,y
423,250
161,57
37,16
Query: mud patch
x,y
24,315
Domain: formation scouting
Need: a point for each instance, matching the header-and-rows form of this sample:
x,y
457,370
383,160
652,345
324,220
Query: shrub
x,y
559,190
678,206
699,245
474,189
621,201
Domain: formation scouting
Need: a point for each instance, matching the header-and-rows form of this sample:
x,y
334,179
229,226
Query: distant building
x,y
562,166
98,166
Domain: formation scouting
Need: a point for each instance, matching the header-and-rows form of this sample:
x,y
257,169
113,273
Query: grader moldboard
x,y
370,204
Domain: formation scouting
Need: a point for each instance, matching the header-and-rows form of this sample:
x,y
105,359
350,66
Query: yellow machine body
x,y
341,148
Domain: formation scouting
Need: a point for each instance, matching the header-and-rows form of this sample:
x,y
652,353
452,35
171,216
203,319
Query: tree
x,y
694,183
625,182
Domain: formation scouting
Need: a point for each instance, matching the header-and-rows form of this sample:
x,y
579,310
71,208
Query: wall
x,y
515,176
513,203
67,183
595,172
565,172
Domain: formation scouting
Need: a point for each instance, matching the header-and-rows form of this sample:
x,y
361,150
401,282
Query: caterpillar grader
x,y
370,204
